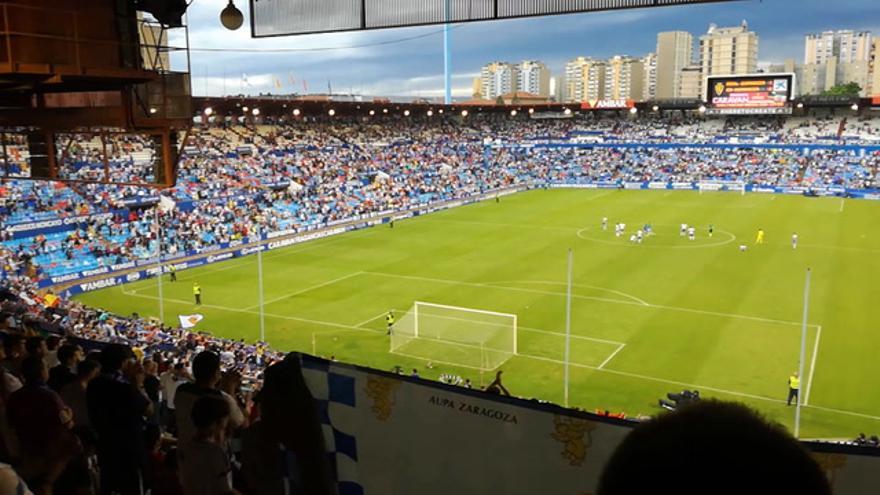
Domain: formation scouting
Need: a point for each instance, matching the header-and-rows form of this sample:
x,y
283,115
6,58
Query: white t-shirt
x,y
169,384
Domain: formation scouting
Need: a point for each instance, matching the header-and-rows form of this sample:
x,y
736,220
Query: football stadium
x,y
599,276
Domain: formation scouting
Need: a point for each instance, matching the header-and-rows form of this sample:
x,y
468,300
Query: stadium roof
x,y
292,17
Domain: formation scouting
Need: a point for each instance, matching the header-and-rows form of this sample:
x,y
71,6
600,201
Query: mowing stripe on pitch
x,y
591,298
303,291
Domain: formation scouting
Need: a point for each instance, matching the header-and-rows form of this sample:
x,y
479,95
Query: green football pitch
x,y
647,318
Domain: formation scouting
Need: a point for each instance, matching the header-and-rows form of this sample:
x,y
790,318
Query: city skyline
x,y
408,62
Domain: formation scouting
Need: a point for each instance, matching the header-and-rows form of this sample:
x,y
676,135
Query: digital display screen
x,y
762,91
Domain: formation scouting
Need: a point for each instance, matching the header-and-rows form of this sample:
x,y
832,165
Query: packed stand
x,y
236,181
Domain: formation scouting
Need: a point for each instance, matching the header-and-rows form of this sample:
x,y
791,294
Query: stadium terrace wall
x,y
31,229
393,434
24,230
132,271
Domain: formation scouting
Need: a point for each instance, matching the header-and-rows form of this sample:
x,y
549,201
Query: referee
x,y
794,386
389,319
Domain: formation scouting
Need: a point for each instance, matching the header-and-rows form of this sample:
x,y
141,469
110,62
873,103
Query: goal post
x,y
459,336
722,186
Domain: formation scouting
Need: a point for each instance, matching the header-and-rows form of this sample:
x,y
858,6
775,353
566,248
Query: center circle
x,y
662,233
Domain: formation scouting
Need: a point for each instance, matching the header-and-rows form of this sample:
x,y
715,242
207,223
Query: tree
x,y
848,89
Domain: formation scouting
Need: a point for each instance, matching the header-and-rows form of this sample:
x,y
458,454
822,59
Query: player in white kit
x,y
794,240
692,233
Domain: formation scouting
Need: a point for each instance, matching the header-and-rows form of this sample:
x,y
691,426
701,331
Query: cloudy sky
x,y
409,62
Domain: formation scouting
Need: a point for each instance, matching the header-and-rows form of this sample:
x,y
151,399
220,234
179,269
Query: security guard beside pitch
x,y
197,293
172,273
794,387
389,319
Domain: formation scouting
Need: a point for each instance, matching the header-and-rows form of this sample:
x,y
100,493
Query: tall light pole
x,y
161,267
260,284
447,61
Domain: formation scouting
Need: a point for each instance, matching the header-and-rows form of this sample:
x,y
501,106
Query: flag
x,y
244,79
50,300
166,204
305,86
336,397
277,82
291,79
189,321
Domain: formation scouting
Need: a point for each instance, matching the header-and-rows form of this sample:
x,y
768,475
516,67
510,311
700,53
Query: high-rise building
x,y
675,51
534,78
498,78
690,82
728,51
847,46
874,87
649,86
584,80
624,78
832,58
477,91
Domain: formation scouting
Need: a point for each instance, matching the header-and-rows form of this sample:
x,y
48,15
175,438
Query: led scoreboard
x,y
760,93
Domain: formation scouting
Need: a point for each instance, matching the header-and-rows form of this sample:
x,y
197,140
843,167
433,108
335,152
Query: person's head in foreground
x,y
210,416
711,447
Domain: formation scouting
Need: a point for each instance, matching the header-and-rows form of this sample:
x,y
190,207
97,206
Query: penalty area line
x,y
361,324
608,360
813,366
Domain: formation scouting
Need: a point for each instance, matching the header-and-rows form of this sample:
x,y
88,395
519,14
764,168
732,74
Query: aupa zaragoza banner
x,y
395,435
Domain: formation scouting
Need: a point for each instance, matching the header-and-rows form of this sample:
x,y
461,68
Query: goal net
x,y
466,337
722,186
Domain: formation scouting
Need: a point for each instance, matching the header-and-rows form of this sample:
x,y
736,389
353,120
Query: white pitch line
x,y
374,318
412,356
842,201
608,360
280,253
660,380
540,358
307,289
562,334
548,282
271,315
591,298
813,366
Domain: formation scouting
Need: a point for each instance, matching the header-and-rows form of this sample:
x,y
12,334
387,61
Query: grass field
x,y
647,319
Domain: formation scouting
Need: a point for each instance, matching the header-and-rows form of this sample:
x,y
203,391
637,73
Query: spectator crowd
x,y
89,398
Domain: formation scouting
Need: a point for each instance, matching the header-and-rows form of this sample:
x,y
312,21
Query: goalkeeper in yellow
x,y
760,238
389,320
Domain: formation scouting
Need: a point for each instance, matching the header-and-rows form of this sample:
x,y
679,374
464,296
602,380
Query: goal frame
x,y
417,304
722,186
